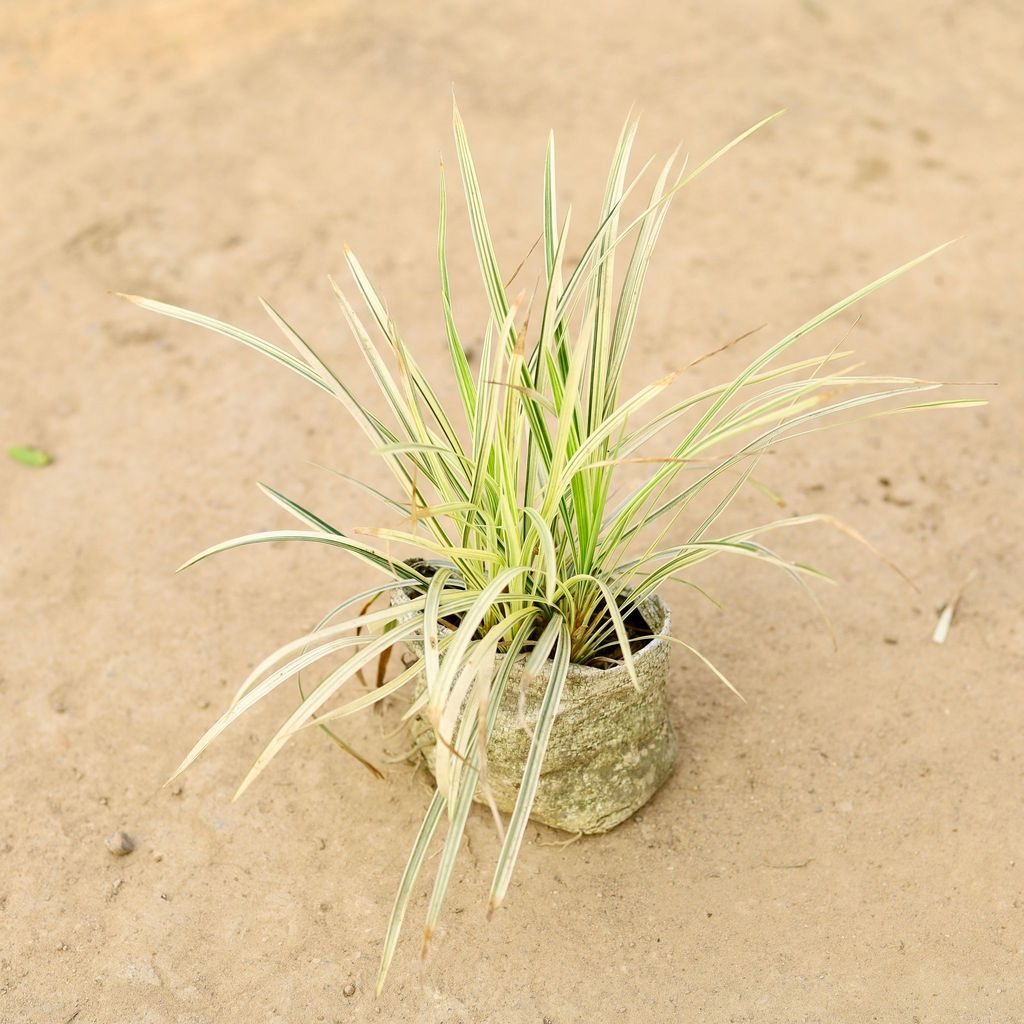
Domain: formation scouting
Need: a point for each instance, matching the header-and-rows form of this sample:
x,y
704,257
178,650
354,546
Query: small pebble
x,y
120,844
349,990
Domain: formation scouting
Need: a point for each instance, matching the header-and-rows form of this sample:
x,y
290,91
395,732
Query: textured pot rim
x,y
653,603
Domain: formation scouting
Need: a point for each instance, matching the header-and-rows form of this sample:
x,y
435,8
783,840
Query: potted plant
x,y
530,594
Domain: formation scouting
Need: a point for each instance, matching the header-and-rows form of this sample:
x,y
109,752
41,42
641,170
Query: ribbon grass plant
x,y
523,547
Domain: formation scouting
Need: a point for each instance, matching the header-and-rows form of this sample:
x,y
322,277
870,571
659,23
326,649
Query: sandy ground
x,y
847,846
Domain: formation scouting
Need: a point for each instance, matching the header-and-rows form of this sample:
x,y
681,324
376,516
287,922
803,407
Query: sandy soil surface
x,y
847,846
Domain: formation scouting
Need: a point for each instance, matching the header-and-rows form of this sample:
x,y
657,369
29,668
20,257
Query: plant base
x,y
611,747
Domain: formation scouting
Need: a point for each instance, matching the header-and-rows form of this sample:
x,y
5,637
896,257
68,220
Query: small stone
x,y
120,844
157,856
349,990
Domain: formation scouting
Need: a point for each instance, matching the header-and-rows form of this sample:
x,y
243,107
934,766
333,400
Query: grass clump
x,y
511,494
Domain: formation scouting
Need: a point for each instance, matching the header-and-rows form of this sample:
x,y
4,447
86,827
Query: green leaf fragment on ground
x,y
30,456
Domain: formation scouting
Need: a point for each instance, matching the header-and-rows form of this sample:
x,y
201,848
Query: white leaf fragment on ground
x,y
945,621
